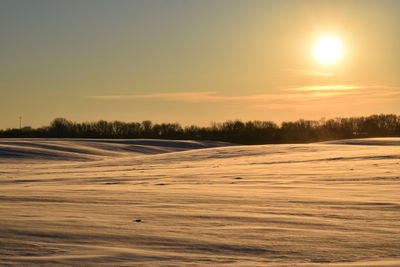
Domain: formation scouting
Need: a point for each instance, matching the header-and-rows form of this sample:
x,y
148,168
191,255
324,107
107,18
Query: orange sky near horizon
x,y
194,62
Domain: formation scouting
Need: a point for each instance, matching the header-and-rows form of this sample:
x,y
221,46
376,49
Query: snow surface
x,y
76,202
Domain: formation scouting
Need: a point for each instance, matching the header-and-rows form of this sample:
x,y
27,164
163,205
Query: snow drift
x,y
91,149
184,203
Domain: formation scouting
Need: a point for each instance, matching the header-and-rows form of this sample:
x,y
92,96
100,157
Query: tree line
x,y
235,131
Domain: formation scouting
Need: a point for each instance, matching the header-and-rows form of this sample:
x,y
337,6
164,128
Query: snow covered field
x,y
186,203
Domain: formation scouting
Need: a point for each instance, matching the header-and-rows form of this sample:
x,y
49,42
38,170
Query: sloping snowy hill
x,y
368,142
129,203
92,149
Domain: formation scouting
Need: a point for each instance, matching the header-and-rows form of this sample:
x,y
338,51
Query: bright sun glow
x,y
328,50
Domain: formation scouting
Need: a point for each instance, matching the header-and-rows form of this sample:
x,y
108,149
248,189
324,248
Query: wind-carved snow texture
x,y
186,203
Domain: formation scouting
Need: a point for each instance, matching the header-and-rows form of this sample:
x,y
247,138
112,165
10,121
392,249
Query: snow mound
x,y
92,149
368,142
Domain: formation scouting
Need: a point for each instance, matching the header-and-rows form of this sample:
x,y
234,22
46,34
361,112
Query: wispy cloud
x,y
193,97
180,96
336,87
301,72
296,98
334,97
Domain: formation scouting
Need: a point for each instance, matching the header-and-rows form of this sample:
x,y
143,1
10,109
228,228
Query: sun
x,y
328,50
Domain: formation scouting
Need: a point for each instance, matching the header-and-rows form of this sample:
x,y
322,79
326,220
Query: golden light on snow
x,y
328,50
299,203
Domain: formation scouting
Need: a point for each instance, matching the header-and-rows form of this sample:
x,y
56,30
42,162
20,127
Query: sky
x,y
195,62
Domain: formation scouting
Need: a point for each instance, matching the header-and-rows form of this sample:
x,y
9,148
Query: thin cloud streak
x,y
339,87
182,96
332,100
213,97
301,72
198,97
299,98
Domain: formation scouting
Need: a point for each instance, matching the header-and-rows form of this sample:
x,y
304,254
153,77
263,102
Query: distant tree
x,y
236,131
60,127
